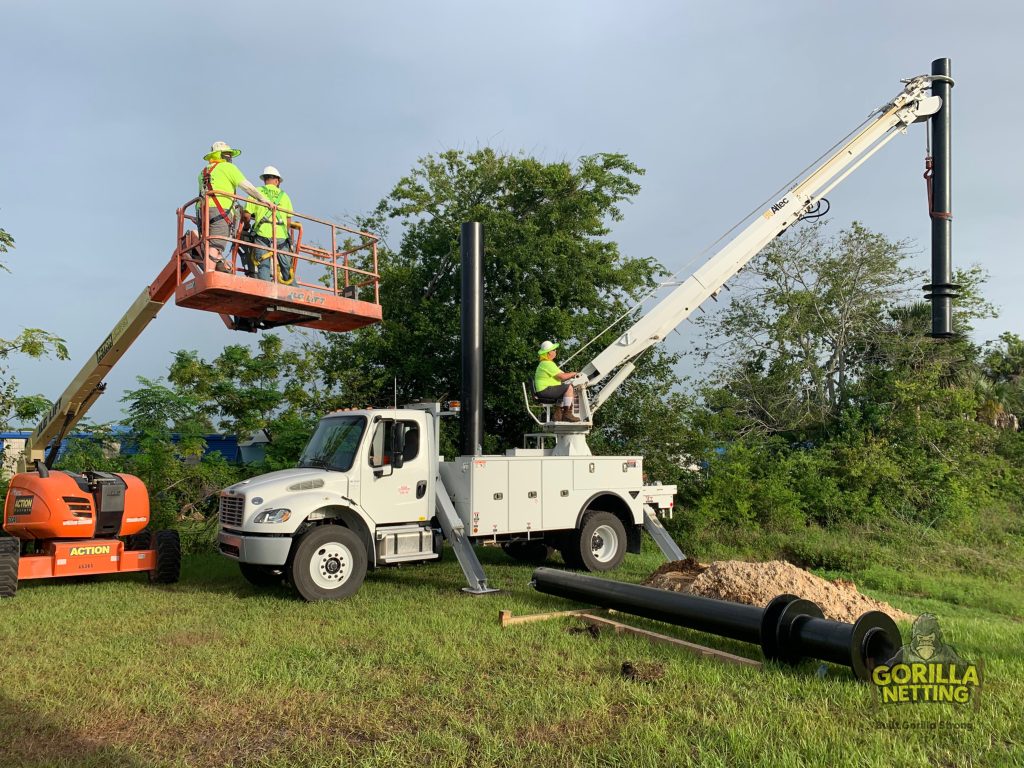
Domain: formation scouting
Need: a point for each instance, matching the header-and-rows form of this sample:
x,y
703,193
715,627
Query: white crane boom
x,y
606,372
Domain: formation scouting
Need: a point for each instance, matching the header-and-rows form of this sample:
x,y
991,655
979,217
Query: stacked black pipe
x,y
788,630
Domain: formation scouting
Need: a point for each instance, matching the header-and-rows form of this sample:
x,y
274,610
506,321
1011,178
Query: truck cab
x,y
362,495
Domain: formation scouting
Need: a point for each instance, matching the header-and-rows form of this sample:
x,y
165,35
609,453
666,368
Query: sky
x,y
108,108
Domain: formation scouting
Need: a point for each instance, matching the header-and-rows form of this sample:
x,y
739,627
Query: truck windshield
x,y
334,444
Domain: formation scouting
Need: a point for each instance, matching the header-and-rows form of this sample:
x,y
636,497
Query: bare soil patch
x,y
757,583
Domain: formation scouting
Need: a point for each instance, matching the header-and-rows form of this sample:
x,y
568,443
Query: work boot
x,y
568,415
556,414
222,267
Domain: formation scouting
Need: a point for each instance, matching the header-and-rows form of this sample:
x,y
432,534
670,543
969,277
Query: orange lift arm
x,y
88,385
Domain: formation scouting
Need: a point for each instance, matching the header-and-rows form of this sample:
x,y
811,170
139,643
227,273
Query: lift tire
x,y
261,575
533,552
328,563
168,558
10,554
601,542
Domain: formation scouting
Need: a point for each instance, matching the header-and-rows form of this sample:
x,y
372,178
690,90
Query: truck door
x,y
395,472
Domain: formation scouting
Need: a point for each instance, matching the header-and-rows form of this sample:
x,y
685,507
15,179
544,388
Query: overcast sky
x,y
108,108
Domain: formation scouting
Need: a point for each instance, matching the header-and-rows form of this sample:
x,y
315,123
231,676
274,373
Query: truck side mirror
x,y
398,445
379,458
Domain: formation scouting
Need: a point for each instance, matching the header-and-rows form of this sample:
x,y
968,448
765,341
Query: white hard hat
x,y
270,171
546,347
220,146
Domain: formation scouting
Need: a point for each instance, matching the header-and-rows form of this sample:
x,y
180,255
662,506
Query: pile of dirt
x,y
757,583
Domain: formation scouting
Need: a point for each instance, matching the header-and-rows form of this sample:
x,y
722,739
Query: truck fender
x,y
349,516
610,501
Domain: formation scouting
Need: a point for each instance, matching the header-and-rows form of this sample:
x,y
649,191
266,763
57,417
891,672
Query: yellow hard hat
x,y
218,147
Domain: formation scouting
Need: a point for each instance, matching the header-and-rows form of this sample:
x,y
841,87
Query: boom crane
x,y
603,375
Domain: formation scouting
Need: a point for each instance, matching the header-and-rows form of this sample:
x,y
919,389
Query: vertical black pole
x,y
471,433
941,289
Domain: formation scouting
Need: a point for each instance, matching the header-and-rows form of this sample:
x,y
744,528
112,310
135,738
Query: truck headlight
x,y
273,516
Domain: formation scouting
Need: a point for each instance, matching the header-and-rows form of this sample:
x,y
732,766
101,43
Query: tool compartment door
x,y
525,507
488,495
608,472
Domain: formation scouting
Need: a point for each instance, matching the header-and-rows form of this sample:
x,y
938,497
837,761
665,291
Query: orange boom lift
x,y
58,523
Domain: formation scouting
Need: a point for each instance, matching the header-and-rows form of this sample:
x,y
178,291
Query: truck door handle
x,y
421,489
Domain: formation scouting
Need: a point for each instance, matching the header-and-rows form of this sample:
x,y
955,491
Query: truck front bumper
x,y
258,550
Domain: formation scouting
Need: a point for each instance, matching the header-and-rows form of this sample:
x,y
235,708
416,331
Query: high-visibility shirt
x,y
262,219
224,177
546,375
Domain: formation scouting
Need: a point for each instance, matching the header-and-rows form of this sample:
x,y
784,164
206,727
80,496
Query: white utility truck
x,y
374,477
371,488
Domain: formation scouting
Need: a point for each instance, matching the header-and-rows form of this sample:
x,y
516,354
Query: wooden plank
x,y
507,619
699,650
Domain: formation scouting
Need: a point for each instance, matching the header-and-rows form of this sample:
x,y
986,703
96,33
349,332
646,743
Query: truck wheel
x,y
533,552
602,542
168,558
10,553
329,564
261,575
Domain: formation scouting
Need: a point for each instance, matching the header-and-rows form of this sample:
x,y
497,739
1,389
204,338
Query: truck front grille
x,y
231,509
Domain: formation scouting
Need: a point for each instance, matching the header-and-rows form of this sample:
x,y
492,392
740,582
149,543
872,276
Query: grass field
x,y
212,672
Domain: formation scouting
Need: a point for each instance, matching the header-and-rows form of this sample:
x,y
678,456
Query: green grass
x,y
211,672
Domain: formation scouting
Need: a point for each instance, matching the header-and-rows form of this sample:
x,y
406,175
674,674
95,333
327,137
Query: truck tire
x,y
261,575
329,563
601,543
533,552
168,558
10,554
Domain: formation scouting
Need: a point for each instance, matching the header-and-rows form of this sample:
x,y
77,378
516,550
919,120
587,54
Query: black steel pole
x,y
941,290
788,629
471,423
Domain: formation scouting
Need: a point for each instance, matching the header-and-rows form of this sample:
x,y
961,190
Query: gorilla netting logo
x,y
927,670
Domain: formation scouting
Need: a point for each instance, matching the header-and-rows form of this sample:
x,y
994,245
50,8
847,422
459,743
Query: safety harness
x,y
258,254
266,212
208,190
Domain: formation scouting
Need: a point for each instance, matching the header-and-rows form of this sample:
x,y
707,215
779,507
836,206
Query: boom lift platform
x,y
64,524
334,284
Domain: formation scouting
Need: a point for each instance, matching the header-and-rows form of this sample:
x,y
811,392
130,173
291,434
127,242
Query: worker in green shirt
x,y
552,382
220,175
270,228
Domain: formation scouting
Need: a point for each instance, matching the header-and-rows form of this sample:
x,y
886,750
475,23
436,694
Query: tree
x,y
550,273
1003,379
166,429
801,321
277,389
831,402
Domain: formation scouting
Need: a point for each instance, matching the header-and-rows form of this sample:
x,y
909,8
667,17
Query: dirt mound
x,y
757,583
